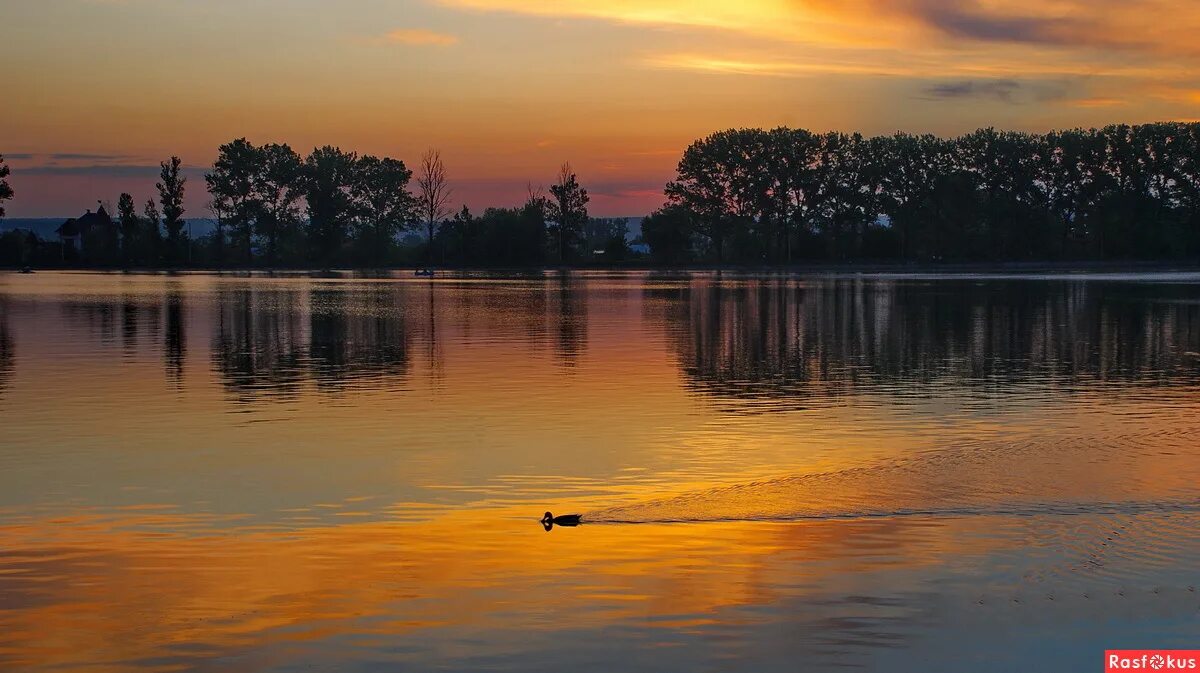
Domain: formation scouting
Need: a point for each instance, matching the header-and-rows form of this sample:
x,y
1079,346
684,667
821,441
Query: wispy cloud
x,y
108,170
1003,90
1096,102
420,37
83,156
1149,26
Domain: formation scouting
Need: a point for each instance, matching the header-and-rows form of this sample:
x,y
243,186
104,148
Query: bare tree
x,y
433,192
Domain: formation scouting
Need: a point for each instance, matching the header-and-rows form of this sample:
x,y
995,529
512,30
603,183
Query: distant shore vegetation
x,y
743,196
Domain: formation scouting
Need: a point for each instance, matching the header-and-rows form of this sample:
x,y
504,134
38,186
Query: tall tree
x,y
329,179
277,189
231,185
791,182
170,195
433,192
6,190
719,186
385,205
130,226
152,233
567,209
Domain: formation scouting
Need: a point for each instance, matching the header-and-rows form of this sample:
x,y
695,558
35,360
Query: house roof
x,y
84,223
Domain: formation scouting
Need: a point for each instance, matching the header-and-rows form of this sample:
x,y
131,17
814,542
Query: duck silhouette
x,y
569,520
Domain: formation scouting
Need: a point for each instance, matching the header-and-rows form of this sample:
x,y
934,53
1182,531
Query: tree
x,y
170,194
567,209
231,184
256,190
130,226
455,234
6,191
791,184
152,232
719,185
277,189
384,204
668,232
329,179
433,192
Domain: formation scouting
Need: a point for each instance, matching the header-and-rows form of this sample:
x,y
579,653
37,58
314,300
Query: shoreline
x,y
873,268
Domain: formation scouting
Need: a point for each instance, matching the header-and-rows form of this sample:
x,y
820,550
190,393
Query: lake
x,y
776,472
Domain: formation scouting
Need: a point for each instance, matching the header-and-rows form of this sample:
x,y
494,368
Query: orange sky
x,y
98,91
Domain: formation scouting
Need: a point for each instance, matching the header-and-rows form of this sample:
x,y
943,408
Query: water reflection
x,y
129,324
268,341
571,317
792,342
174,336
8,355
258,346
346,473
358,336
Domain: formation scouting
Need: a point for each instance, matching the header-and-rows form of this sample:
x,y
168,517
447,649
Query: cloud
x,y
1006,90
109,170
1001,90
77,156
968,20
420,37
1096,102
1149,25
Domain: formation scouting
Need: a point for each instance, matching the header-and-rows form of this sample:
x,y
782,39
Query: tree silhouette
x,y
277,189
170,195
433,193
385,205
153,232
6,190
257,190
567,209
231,184
719,183
130,226
739,196
329,179
668,232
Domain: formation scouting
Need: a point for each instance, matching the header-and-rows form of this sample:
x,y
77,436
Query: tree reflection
x,y
174,337
8,352
571,316
269,342
789,342
357,335
258,343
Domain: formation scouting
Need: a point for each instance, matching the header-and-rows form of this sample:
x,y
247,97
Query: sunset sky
x,y
96,92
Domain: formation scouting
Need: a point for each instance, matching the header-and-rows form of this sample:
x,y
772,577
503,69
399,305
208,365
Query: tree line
x,y
741,196
273,207
783,195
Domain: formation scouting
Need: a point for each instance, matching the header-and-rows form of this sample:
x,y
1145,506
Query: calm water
x,y
204,473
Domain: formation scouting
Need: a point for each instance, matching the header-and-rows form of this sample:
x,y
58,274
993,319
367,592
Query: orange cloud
x,y
420,37
1096,102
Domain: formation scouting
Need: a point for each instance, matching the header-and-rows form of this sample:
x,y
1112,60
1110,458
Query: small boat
x,y
26,269
423,273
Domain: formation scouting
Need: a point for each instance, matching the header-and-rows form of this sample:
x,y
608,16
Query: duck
x,y
549,520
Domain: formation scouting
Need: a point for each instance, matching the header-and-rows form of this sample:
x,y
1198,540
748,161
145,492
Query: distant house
x,y
74,231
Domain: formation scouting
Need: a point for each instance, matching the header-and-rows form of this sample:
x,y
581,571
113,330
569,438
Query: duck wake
x,y
1015,479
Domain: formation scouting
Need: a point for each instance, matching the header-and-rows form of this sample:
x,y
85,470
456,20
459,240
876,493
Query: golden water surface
x,y
343,473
